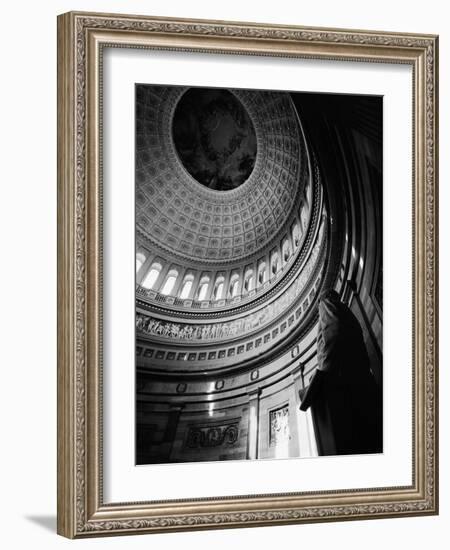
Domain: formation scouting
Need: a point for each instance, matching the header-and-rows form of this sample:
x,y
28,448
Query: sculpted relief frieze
x,y
212,436
146,324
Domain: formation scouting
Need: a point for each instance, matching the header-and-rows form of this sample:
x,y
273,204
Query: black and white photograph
x,y
259,274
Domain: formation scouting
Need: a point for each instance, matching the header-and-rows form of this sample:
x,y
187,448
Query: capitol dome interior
x,y
249,205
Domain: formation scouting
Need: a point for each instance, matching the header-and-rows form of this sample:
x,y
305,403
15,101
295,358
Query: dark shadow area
x,y
46,522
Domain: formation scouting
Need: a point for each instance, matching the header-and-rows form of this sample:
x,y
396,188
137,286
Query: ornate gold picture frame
x,y
82,41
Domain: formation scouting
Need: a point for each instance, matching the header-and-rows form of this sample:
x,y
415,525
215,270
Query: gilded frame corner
x,y
81,36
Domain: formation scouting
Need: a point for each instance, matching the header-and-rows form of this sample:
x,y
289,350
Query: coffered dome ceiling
x,y
214,195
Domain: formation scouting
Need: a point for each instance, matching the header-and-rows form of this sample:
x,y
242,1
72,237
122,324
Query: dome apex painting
x,y
214,138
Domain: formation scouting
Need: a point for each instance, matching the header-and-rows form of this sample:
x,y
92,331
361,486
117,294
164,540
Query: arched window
x,y
275,264
171,279
303,216
262,273
218,288
186,286
234,286
152,276
203,288
296,235
140,260
249,281
308,195
286,250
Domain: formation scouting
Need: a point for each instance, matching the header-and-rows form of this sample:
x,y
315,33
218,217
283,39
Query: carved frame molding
x,y
81,36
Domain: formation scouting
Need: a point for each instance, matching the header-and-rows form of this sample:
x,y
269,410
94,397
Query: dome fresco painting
x,y
214,138
249,204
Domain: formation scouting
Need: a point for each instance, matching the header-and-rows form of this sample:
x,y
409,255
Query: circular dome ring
x,y
215,138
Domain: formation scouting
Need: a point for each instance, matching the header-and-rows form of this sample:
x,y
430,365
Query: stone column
x,y
212,282
176,289
144,268
161,278
352,293
241,283
172,426
195,282
253,424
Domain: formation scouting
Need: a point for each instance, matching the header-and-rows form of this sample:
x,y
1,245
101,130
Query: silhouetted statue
x,y
344,398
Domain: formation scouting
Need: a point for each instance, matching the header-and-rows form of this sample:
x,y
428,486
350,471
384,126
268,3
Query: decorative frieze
x,y
216,435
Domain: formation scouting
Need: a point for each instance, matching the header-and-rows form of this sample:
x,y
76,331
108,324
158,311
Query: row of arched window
x,y
204,291
185,290
220,286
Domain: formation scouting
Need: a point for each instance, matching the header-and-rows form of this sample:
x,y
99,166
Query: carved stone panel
x,y
279,426
212,435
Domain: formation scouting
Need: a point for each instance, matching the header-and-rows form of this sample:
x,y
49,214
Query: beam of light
x,y
252,433
210,397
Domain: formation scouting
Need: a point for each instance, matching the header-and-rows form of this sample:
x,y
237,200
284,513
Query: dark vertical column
x,y
172,426
375,351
